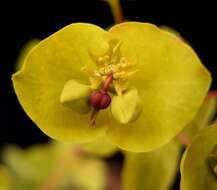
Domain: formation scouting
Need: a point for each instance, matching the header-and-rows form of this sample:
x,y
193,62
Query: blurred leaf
x,y
24,51
202,119
5,180
54,166
154,170
170,30
196,172
100,147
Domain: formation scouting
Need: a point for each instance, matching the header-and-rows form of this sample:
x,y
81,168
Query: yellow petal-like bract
x,y
168,75
171,82
47,68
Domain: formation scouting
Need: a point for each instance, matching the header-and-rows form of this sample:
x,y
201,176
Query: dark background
x,y
33,19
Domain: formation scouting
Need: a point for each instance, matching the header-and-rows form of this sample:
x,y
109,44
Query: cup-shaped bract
x,y
197,172
151,170
166,72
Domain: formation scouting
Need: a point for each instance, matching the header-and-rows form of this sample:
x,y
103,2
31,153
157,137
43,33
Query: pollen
x,y
112,62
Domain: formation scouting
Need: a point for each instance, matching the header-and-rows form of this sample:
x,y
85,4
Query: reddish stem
x,y
212,94
107,83
183,139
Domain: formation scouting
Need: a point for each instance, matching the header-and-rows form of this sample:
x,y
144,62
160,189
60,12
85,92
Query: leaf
x,y
203,118
196,173
53,166
100,147
5,178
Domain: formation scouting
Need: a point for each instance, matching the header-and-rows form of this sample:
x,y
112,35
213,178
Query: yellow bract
x,y
47,68
168,75
171,82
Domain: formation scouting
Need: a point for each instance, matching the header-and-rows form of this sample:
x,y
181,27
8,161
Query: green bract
x,y
199,162
169,79
151,170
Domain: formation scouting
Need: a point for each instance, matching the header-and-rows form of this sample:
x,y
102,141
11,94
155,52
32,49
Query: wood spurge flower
x,y
135,83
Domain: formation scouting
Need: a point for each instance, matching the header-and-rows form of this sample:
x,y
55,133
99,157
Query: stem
x,y
212,94
183,139
116,11
57,172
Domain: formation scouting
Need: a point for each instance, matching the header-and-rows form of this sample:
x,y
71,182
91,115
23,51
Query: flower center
x,y
111,63
111,74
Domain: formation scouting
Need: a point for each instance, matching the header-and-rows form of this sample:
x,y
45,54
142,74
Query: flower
x,y
155,82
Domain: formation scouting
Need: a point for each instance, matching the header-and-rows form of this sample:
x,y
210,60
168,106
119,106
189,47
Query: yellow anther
x,y
131,73
111,62
100,59
120,74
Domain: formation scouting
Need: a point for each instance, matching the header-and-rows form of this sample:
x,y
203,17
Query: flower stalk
x,y
116,11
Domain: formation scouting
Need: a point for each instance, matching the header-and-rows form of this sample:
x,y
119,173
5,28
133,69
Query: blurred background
x,y
22,21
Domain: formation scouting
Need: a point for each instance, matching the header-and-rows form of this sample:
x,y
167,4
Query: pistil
x,y
100,99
